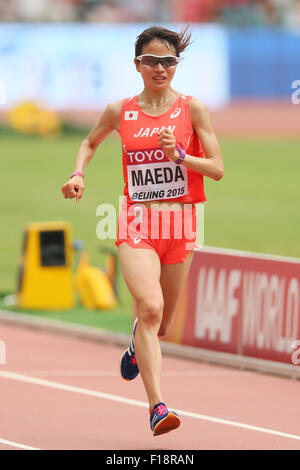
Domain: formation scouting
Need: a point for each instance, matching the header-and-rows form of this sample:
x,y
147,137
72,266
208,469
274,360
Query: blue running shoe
x,y
128,365
162,420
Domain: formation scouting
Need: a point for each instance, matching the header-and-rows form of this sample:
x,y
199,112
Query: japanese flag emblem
x,y
131,115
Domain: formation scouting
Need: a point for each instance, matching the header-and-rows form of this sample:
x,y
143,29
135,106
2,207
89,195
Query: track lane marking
x,y
129,401
17,444
99,373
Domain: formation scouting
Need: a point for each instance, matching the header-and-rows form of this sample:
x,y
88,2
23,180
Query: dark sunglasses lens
x,y
148,60
170,61
153,61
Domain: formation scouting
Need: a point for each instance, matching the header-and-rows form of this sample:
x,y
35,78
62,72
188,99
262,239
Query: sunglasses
x,y
153,60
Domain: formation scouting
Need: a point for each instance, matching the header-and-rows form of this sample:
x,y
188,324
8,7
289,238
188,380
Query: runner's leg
x,y
172,280
141,270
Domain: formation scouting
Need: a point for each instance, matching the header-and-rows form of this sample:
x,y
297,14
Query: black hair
x,y
179,41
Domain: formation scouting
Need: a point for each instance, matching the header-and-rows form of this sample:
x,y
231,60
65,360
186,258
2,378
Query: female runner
x,y
165,139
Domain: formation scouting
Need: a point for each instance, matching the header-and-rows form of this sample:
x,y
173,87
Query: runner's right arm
x,y
108,122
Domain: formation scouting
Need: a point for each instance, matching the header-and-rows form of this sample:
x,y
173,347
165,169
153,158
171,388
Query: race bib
x,y
151,175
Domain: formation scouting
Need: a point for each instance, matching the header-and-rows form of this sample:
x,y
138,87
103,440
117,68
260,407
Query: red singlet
x,y
148,173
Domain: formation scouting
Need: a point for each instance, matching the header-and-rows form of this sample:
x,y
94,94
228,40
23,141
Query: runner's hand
x,y
167,141
73,188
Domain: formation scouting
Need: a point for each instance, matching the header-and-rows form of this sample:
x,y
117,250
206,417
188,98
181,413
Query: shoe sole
x,y
167,424
128,380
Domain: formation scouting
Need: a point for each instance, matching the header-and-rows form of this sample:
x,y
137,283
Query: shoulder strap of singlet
x,y
128,101
185,101
186,98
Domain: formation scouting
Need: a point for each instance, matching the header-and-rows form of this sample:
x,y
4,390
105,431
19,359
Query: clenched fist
x,y
73,188
167,141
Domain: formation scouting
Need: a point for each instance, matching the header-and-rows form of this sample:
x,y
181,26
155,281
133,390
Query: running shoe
x,y
162,420
128,365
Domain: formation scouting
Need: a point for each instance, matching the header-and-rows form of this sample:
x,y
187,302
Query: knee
x,y
166,322
150,311
163,330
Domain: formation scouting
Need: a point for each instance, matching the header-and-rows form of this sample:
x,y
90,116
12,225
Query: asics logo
x,y
137,239
175,113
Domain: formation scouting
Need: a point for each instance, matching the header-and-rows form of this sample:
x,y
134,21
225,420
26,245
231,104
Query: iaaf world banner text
x,y
244,305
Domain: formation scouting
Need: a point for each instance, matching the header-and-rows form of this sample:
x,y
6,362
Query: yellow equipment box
x,y
45,276
94,288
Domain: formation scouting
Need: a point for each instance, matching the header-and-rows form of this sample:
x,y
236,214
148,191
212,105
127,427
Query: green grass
x,y
116,320
35,169
255,207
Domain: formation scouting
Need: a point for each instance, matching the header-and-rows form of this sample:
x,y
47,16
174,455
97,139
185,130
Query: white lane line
x,y
99,373
129,401
16,444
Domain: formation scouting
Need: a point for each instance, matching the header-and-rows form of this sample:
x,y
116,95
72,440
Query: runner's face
x,y
157,77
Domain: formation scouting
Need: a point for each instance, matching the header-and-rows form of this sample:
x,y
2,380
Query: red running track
x,y
60,392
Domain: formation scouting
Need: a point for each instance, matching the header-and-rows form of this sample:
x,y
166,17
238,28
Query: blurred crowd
x,y
230,12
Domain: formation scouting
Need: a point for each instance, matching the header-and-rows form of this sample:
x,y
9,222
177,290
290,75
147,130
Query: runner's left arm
x,y
211,166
